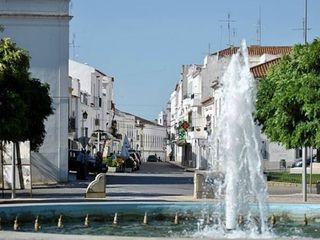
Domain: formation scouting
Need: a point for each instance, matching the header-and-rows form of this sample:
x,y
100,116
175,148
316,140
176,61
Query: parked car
x,y
131,163
152,158
137,155
135,158
298,163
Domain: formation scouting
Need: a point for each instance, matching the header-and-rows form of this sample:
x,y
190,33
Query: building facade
x,y
196,104
42,28
90,106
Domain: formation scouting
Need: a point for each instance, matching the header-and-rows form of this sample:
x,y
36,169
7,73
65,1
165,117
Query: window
x,y
298,152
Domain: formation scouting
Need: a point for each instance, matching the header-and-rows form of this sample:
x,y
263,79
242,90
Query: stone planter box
x,y
112,169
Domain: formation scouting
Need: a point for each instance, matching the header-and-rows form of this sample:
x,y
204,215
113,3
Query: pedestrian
x,y
80,162
85,165
171,156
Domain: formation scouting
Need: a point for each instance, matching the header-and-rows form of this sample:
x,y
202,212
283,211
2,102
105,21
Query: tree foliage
x,y
24,101
288,98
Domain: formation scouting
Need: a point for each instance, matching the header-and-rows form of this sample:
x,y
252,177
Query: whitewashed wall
x,y
42,27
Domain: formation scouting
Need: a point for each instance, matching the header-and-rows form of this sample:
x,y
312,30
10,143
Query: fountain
x,y
238,139
239,209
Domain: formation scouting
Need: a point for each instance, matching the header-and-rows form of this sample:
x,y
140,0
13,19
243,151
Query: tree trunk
x,y
1,157
19,165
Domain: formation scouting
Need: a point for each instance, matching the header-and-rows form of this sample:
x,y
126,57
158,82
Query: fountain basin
x,y
195,219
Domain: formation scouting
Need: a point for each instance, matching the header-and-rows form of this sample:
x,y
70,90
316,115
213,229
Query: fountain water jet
x,y
239,145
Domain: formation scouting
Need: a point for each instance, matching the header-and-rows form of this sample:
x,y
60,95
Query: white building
x,y
151,138
42,28
196,99
164,119
91,101
258,55
147,137
124,126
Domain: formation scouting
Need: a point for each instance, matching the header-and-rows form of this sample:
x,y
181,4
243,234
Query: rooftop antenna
x,y
233,35
259,28
303,29
306,22
229,21
220,44
209,48
73,45
71,6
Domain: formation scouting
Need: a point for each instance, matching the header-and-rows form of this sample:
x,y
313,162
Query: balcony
x,y
198,132
195,100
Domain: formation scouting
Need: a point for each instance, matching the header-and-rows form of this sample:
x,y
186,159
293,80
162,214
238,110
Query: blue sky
x,y
143,43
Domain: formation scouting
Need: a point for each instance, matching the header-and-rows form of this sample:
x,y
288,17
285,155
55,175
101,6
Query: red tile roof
x,y
260,70
256,50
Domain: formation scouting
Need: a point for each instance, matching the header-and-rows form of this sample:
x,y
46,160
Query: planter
x,y
112,169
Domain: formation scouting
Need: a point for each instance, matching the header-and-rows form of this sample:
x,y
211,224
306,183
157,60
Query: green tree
x,y
288,98
24,101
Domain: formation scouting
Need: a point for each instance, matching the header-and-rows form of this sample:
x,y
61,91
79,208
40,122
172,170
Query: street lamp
x,y
84,117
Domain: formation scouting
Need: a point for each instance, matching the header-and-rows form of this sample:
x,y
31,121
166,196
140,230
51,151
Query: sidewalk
x,y
178,164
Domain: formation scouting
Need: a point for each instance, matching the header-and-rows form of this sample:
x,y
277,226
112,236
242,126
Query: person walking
x,y
80,164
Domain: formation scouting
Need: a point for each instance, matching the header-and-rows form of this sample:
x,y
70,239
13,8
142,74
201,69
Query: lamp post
x,y
84,117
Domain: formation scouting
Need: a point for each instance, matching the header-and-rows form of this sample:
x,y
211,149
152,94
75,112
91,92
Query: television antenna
x,y
259,28
304,30
73,45
228,21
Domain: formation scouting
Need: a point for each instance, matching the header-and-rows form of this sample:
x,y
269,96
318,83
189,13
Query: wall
x,y
42,27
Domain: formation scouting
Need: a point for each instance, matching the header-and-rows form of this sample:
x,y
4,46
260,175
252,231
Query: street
x,y
155,181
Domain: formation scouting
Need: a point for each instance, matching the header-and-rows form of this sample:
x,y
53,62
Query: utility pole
x,y
304,150
304,174
13,187
229,21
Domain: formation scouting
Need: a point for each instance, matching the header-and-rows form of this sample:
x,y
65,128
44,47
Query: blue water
x,y
192,218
